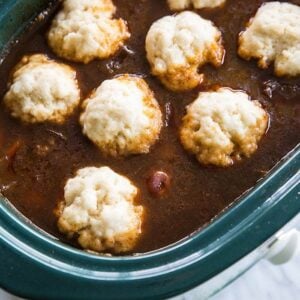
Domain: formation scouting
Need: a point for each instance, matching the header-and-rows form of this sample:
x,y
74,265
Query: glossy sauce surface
x,y
36,160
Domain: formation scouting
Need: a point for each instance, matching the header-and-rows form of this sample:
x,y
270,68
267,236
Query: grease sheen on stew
x,y
36,160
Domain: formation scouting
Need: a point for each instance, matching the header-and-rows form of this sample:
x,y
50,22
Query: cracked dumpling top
x,y
105,8
184,4
42,90
274,35
122,117
86,30
221,127
178,45
99,208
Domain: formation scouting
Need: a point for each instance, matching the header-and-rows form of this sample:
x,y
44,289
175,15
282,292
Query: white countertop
x,y
265,281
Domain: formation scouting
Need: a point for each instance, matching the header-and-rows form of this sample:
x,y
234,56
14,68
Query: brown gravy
x,y
36,160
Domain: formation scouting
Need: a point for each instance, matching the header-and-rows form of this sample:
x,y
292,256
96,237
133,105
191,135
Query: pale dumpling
x,y
122,117
177,46
273,35
220,127
99,208
86,30
42,90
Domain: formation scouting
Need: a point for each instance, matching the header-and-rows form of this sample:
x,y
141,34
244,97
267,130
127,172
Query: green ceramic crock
x,y
35,265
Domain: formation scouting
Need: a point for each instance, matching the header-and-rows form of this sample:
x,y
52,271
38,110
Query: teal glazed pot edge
x,y
37,266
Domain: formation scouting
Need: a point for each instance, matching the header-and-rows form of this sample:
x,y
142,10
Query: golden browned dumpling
x,y
42,90
122,117
274,35
222,126
178,45
86,30
184,4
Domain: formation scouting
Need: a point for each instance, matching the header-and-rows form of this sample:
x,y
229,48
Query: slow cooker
x,y
36,265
